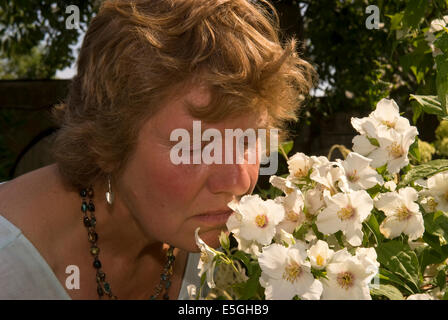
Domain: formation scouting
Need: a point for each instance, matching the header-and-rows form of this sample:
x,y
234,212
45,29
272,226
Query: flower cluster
x,y
339,224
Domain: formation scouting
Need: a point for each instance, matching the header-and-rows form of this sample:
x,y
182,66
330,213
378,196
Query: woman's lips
x,y
214,218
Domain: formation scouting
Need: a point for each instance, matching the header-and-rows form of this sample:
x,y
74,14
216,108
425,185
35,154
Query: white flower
x,y
328,175
385,136
251,247
365,126
368,258
429,204
285,238
438,189
420,296
438,24
390,185
385,116
314,199
320,254
299,166
207,261
362,145
255,219
358,175
283,184
402,214
293,204
348,278
286,273
393,150
346,212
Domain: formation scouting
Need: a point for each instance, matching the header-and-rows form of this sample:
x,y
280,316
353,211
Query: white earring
x,y
109,194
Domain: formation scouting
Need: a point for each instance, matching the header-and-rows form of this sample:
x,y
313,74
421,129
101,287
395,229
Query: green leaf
x,y
374,226
442,42
389,277
395,20
414,150
252,286
245,259
414,12
388,291
441,279
423,171
442,79
429,256
287,146
374,142
445,296
437,225
429,104
401,260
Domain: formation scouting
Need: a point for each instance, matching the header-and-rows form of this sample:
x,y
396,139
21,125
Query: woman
x,y
112,204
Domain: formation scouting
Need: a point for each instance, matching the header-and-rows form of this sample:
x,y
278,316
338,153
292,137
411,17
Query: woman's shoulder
x,y
24,274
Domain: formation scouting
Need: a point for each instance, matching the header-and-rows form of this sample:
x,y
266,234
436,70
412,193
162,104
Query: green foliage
x,y
399,259
388,291
424,170
26,27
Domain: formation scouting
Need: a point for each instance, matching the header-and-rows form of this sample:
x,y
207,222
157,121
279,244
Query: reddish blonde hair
x,y
136,53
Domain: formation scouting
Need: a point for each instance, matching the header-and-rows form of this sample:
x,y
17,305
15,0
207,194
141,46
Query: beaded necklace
x,y
103,287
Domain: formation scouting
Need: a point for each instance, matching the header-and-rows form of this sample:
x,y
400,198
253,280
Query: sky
x,y
69,72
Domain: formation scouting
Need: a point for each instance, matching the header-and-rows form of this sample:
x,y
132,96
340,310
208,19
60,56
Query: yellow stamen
x,y
389,124
346,213
345,280
292,216
319,260
292,272
261,220
301,173
353,176
395,150
403,213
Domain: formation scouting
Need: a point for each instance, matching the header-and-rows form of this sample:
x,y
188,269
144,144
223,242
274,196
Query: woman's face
x,y
170,201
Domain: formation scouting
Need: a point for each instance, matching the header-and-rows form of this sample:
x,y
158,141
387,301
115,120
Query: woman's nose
x,y
234,179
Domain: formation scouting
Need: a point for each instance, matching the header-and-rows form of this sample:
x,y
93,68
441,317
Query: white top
x,y
25,275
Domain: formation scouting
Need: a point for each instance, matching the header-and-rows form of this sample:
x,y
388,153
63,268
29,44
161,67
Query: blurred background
x,y
360,58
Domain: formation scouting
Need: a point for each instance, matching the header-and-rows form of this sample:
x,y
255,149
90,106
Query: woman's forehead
x,y
176,110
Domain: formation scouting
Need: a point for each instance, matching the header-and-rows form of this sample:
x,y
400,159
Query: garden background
x,y
357,67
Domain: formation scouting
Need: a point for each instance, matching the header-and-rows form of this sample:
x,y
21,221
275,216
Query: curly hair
x,y
137,52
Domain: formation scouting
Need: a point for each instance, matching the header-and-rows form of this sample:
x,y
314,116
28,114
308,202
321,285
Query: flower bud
x,y
224,240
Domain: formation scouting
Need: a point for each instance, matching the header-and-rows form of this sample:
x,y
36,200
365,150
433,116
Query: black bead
x,y
102,275
97,264
91,206
83,193
84,206
93,237
100,291
87,222
92,221
167,284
